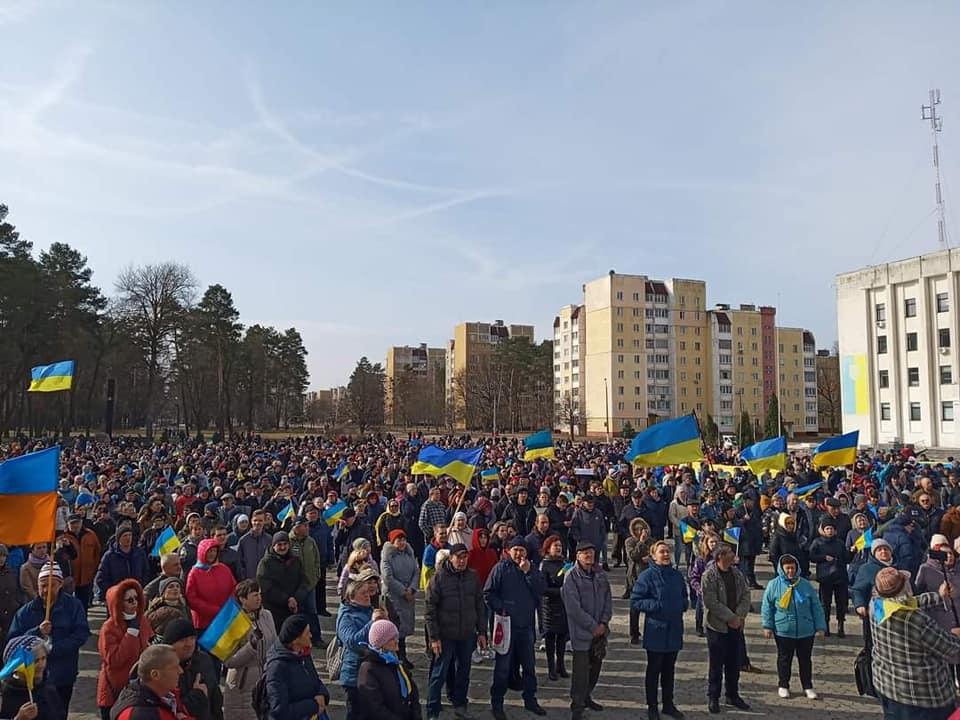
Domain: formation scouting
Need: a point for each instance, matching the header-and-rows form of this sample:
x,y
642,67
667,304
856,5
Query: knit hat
x,y
279,537
167,582
394,534
879,543
890,582
46,571
516,542
361,543
382,632
938,540
178,630
27,642
292,628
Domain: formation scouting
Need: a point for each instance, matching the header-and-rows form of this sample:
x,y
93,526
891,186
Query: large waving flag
x,y
766,455
667,443
167,542
227,631
837,451
458,464
53,377
538,445
28,497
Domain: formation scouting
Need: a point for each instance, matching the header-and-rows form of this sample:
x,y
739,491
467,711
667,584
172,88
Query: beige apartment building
x,y
425,363
798,380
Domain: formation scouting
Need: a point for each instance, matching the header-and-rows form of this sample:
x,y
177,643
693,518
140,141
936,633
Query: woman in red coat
x,y
123,636
209,584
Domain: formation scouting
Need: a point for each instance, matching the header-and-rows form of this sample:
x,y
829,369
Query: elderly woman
x,y
359,558
124,635
168,605
638,555
246,665
294,689
459,532
353,624
930,577
401,576
15,701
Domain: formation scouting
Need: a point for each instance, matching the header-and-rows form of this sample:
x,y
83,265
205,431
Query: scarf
x,y
37,562
784,602
402,675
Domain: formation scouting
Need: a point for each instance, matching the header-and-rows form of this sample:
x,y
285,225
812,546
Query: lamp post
x,y
606,403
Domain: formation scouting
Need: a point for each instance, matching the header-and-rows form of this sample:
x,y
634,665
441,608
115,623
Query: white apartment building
x,y
569,341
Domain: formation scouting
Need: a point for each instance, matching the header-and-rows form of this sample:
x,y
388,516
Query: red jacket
x,y
119,649
481,559
208,588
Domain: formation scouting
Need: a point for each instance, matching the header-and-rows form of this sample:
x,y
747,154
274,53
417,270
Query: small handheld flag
x,y
567,567
864,541
287,512
538,445
334,513
22,661
52,378
687,532
732,535
226,632
343,470
167,542
490,475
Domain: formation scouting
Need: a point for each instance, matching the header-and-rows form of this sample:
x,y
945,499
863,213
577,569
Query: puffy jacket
x,y
830,571
513,592
454,608
381,696
120,644
208,587
353,627
552,611
907,549
280,578
70,632
45,695
787,543
117,565
802,618
88,550
661,595
655,513
863,583
589,527
138,702
588,601
292,684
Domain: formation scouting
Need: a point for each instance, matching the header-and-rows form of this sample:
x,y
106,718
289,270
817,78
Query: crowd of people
x,y
518,562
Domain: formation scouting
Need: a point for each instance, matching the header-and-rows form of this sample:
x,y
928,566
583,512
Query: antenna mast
x,y
929,112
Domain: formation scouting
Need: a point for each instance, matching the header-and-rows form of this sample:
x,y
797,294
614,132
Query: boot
x,y
827,631
561,670
551,659
840,633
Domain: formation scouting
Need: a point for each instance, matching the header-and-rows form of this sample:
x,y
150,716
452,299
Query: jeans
x,y
724,649
786,647
521,653
660,672
893,710
586,672
456,653
838,591
310,610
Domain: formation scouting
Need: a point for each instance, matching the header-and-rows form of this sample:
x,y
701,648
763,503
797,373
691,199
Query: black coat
x,y
201,706
454,608
553,613
281,578
834,571
379,696
45,695
292,683
784,543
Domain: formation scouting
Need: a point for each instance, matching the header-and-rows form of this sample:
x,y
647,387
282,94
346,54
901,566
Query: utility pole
x,y
929,112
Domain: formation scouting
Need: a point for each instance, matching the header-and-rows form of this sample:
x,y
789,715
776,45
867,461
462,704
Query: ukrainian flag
x,y
864,541
732,535
802,492
22,661
287,512
51,378
458,464
567,567
837,451
883,608
226,632
341,471
766,455
667,443
490,475
538,445
334,513
28,497
687,532
167,542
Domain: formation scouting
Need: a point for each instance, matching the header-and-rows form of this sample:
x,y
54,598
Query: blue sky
x,y
374,173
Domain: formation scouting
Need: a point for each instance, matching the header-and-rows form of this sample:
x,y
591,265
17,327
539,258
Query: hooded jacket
x,y
787,543
908,547
208,586
353,626
117,565
481,559
863,583
637,551
803,617
292,684
120,643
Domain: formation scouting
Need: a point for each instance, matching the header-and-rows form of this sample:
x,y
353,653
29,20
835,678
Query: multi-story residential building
x,y
798,381
569,370
896,327
828,392
420,363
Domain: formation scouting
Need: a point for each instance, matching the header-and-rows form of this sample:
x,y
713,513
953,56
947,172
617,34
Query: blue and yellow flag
x,y
334,513
538,445
567,567
667,443
490,475
864,541
22,661
226,632
884,608
837,451
766,455
167,542
52,378
458,464
803,492
687,532
732,535
343,469
287,512
28,497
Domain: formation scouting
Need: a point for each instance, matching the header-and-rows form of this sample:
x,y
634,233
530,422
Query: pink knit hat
x,y
382,632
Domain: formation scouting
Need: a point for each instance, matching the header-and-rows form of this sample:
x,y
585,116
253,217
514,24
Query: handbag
x,y
501,634
863,673
334,658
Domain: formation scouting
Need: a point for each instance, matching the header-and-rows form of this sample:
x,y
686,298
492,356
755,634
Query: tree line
x,y
177,361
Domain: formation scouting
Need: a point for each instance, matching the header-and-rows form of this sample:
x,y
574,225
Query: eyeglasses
x,y
131,600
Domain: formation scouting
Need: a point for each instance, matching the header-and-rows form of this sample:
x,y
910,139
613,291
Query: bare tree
x,y
151,300
568,414
828,393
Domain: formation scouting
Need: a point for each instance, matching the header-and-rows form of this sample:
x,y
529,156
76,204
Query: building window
x,y
619,295
884,411
910,307
636,297
946,411
911,341
915,412
881,312
619,389
943,337
913,377
884,378
943,303
881,344
946,375
619,358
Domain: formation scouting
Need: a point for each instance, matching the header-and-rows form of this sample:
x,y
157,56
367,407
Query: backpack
x,y
863,673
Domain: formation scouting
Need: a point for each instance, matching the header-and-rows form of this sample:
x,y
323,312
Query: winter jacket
x,y
510,591
589,527
863,584
521,517
453,606
193,700
345,537
751,540
280,578
715,598
907,547
382,696
802,618
387,523
588,601
929,578
695,574
534,542
400,572
245,666
292,684
787,543
208,587
88,550
481,559
9,600
45,695
120,642
353,626
552,612
830,571
252,549
655,513
117,565
159,613
138,702
309,554
661,595
70,632
638,553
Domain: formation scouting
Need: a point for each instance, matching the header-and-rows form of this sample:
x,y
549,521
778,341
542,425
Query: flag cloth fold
x,y
227,631
22,661
802,492
837,451
864,541
458,464
687,532
732,535
490,475
884,608
286,512
538,445
28,497
766,455
52,378
167,542
667,443
343,470
334,513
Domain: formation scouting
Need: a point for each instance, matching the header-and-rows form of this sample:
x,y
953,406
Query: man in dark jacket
x,y
253,546
351,528
655,513
831,556
536,538
456,622
282,580
751,538
588,524
514,588
520,513
123,560
198,690
158,676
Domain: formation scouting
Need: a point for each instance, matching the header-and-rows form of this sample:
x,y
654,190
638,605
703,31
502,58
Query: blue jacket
x,y
292,684
70,632
512,592
116,565
802,618
660,593
907,549
353,626
863,582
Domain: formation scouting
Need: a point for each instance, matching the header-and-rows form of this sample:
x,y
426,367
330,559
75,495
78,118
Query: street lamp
x,y
606,403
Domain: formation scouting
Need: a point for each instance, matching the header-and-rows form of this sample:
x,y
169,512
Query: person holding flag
x,y
26,695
